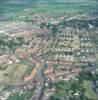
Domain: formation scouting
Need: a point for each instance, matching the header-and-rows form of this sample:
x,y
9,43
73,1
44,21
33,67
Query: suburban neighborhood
x,y
49,54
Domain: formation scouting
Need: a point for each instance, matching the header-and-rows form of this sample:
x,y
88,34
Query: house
x,y
21,53
9,59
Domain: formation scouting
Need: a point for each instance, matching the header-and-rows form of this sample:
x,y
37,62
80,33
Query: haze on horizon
x,y
11,7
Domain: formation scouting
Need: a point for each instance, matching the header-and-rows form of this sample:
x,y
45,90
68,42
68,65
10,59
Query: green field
x,y
13,73
24,96
89,91
11,8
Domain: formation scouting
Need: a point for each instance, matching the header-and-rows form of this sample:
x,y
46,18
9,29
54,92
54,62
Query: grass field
x,y
76,42
24,96
89,91
13,73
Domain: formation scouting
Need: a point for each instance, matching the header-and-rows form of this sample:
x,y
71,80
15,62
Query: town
x,y
48,50
49,58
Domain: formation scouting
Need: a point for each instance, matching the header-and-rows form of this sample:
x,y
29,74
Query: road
x,y
39,90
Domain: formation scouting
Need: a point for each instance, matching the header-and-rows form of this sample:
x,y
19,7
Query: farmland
x,y
20,8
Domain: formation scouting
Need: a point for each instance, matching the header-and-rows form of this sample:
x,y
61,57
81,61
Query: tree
x,y
54,98
74,86
20,40
42,25
16,97
54,30
82,93
49,25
